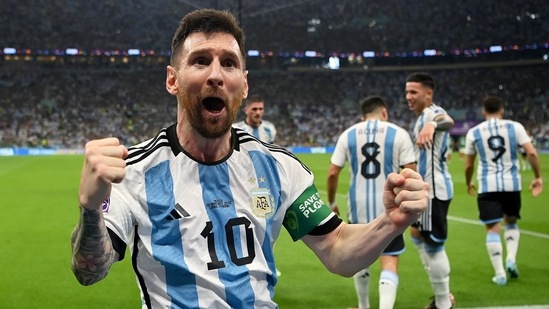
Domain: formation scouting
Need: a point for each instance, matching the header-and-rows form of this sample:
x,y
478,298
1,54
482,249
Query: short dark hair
x,y
371,104
422,78
208,21
254,98
493,104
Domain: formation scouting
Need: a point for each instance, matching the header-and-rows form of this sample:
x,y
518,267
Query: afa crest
x,y
262,202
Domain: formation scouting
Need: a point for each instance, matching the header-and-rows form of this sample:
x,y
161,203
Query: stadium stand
x,y
51,99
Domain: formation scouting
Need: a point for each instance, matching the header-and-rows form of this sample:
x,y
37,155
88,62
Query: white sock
x,y
439,275
495,252
388,284
512,237
362,280
420,246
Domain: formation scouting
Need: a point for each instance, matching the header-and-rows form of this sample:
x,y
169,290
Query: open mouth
x,y
213,104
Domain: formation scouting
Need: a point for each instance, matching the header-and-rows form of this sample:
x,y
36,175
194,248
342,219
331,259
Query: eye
x,y
229,63
200,61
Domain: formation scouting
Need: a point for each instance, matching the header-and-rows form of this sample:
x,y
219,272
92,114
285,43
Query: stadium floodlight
x,y
333,63
496,48
430,52
368,54
310,53
9,51
134,52
71,51
253,53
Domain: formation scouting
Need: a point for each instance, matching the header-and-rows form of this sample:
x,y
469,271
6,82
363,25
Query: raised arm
x,y
352,247
92,251
441,123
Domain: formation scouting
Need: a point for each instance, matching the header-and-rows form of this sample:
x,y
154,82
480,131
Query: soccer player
x,y
254,123
201,204
374,148
432,144
496,141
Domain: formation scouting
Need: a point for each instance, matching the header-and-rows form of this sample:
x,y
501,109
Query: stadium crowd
x,y
65,104
56,107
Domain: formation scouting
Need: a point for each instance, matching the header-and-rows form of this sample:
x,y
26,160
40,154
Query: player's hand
x,y
425,137
536,187
472,189
405,197
103,165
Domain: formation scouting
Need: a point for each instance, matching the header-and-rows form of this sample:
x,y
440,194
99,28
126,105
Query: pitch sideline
x,y
477,222
522,231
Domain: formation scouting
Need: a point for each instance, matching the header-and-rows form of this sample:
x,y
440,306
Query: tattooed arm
x,y
92,251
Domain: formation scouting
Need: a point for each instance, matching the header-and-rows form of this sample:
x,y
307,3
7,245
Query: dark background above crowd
x,y
290,25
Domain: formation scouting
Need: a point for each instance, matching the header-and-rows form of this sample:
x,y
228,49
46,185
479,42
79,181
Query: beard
x,y
209,126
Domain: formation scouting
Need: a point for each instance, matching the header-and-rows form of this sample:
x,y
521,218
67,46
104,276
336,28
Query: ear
x,y
171,80
246,86
384,114
430,93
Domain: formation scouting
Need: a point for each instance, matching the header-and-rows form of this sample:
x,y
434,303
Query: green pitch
x,y
38,199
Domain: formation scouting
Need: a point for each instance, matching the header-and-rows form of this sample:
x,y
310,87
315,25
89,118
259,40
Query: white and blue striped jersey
x,y
431,162
266,131
201,234
497,142
374,149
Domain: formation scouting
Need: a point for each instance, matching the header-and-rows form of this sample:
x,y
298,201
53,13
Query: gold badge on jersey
x,y
262,202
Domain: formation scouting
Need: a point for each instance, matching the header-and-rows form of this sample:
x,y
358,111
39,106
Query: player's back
x,y
374,150
497,142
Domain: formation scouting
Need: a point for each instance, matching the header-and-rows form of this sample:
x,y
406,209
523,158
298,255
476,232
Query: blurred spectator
x,y
41,106
74,99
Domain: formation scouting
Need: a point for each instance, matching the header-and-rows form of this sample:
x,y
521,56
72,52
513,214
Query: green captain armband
x,y
306,213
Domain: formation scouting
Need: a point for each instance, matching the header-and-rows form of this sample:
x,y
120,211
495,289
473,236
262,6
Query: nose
x,y
215,78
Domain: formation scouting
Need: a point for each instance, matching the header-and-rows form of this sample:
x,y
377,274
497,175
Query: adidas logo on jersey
x,y
177,213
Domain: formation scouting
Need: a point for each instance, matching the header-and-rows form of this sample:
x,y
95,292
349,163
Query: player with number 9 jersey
x,y
497,141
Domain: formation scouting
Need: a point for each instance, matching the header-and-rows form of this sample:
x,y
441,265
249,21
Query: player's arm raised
x,y
440,123
352,247
92,251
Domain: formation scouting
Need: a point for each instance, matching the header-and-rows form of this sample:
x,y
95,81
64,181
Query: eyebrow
x,y
229,52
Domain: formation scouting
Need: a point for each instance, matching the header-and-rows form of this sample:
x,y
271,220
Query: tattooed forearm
x,y
92,252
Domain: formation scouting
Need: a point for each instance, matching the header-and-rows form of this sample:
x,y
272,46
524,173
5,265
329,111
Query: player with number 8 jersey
x,y
374,148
